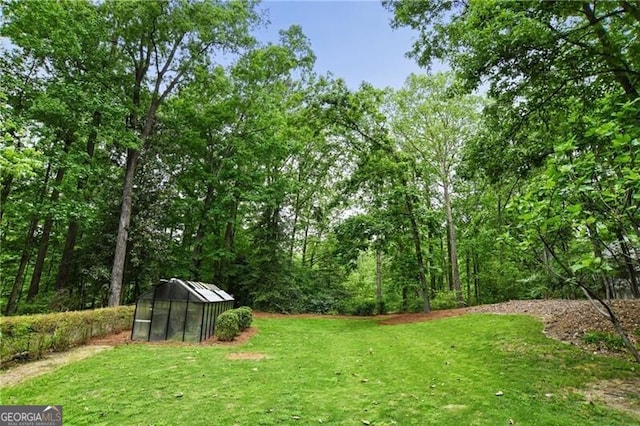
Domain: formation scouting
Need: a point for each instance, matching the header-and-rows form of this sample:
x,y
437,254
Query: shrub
x,y
245,317
608,340
30,336
444,300
364,308
227,326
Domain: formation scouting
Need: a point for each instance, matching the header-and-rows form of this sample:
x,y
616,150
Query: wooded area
x,y
157,139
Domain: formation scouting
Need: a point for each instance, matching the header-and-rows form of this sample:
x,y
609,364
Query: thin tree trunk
x,y
415,231
468,273
34,286
430,250
66,262
448,268
294,226
12,302
608,311
196,259
476,279
628,261
305,242
453,251
379,309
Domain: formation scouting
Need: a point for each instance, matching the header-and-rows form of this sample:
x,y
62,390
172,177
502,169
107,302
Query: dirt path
x,y
49,363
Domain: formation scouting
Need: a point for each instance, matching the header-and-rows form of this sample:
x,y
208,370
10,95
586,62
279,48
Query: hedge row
x,y
30,336
231,322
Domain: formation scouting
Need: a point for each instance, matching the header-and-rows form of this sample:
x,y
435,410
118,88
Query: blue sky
x,y
350,38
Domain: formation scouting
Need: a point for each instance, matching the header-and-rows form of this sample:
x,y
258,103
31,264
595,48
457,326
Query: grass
x,y
342,372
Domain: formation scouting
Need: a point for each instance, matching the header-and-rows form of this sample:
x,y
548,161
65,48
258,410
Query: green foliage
x,y
227,326
31,336
608,340
245,317
444,300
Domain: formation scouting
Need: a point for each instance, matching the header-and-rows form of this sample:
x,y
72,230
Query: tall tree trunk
x,y
34,286
453,251
294,226
430,250
448,264
12,302
415,231
66,262
305,242
476,278
379,309
468,275
196,258
117,271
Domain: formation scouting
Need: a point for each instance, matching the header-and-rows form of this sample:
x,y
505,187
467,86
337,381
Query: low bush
x,y
227,327
30,336
444,300
608,340
245,317
364,308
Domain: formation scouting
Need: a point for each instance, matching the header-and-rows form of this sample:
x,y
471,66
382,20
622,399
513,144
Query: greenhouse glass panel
x,y
193,323
159,320
176,320
142,321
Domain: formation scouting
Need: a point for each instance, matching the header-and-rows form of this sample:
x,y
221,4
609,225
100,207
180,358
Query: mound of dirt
x,y
570,320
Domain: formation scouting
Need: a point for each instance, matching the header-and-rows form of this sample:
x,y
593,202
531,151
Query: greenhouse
x,y
179,310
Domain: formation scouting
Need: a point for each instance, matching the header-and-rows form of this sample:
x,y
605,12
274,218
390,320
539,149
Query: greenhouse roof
x,y
203,291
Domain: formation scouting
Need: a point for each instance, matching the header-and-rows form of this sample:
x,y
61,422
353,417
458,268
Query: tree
x,y
538,59
433,122
161,45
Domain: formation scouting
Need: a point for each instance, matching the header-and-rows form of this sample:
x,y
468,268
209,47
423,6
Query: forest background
x,y
148,140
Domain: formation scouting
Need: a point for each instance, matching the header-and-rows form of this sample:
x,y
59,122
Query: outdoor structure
x,y
179,310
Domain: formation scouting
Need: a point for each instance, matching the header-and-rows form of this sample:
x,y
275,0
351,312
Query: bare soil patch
x,y
418,317
622,395
252,356
49,363
124,338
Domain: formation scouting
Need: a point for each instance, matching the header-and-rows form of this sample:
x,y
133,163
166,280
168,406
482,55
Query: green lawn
x,y
340,371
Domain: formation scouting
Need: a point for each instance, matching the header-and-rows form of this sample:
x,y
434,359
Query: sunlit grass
x,y
340,371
